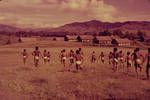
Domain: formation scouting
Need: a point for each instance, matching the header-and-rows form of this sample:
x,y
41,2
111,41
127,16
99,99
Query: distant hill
x,y
8,28
93,26
97,26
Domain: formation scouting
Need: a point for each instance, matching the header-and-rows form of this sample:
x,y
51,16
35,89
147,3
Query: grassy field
x,y
53,82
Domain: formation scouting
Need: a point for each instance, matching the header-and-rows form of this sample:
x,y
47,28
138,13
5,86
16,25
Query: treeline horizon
x,y
119,33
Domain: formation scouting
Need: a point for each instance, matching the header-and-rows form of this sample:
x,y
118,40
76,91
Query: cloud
x,y
23,2
21,21
144,17
96,9
55,12
102,11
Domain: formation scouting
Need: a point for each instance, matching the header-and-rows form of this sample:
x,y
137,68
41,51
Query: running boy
x,y
79,60
138,60
71,55
25,56
36,54
110,56
64,57
102,57
147,57
93,57
121,59
60,56
45,56
115,59
48,57
129,61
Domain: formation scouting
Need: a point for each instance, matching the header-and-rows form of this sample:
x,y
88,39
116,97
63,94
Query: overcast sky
x,y
53,13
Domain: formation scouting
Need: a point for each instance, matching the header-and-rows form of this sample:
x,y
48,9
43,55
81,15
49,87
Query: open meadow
x,y
52,81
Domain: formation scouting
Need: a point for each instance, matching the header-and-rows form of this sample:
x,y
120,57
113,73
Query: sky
x,y
54,13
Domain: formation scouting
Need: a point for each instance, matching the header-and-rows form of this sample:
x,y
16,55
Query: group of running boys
x,y
116,58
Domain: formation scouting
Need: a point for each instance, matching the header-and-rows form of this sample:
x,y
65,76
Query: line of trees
x,y
34,33
94,40
139,34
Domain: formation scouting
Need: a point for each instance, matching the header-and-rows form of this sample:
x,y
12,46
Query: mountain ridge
x,y
88,26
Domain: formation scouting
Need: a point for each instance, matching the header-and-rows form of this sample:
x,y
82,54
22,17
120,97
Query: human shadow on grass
x,y
24,69
71,70
39,81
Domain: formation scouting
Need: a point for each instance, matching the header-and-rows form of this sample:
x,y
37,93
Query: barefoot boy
x,y
129,61
25,56
45,56
93,57
115,59
147,57
71,56
64,57
121,59
79,60
102,57
48,57
36,54
138,60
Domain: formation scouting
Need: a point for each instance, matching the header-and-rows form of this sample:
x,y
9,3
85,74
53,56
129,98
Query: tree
x,y
118,32
141,35
79,39
19,40
105,33
54,39
66,38
8,42
95,40
9,39
114,42
142,39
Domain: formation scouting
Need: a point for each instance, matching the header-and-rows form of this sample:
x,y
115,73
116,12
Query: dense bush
x,y
79,39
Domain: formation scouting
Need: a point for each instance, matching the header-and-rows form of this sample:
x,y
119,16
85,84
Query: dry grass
x,y
4,39
53,82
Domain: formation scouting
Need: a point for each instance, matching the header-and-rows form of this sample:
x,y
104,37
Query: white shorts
x,y
24,57
121,59
64,58
138,61
103,58
130,61
78,62
36,58
45,57
116,60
